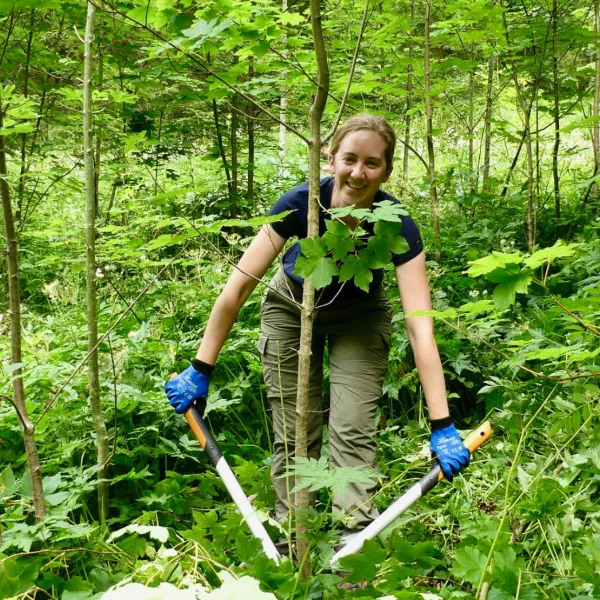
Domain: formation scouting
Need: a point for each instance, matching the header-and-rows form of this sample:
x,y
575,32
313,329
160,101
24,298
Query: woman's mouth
x,y
355,186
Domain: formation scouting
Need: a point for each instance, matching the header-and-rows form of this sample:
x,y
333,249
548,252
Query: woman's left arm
x,y
446,443
415,295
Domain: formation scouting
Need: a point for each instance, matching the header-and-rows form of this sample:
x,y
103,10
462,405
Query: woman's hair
x,y
370,123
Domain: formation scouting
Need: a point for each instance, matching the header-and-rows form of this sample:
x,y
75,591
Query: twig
x,y
16,409
570,313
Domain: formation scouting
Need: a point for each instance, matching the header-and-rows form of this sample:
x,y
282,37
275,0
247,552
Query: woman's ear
x,y
388,173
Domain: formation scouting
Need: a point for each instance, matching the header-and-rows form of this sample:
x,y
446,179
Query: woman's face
x,y
359,168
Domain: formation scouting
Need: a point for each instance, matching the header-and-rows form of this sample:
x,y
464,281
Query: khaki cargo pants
x,y
358,338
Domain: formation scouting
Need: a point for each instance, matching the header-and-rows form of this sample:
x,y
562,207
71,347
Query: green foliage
x,y
341,251
316,475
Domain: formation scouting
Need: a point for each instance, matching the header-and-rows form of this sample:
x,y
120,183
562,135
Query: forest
x,y
142,144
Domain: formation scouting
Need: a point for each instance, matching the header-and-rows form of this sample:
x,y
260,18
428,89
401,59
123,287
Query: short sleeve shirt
x,y
295,224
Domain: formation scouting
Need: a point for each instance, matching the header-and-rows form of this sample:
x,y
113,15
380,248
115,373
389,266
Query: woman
x,y
356,326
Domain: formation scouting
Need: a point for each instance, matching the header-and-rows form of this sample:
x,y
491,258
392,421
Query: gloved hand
x,y
448,447
189,386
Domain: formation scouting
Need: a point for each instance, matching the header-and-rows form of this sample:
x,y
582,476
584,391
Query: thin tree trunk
x,y
98,134
596,111
157,154
221,146
529,149
233,197
92,305
474,177
23,167
488,125
251,113
14,304
555,89
283,99
429,133
409,90
512,166
308,298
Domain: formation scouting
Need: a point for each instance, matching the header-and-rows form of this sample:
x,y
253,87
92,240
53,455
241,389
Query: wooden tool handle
x,y
478,436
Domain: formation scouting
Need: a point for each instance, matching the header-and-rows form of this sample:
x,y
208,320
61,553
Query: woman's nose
x,y
357,171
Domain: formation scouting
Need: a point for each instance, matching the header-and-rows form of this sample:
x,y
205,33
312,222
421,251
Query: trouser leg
x,y
279,345
358,363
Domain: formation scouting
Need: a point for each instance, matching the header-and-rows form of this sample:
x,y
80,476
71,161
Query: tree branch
x,y
363,26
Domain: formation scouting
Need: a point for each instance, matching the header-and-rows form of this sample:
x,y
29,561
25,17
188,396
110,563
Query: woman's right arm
x,y
256,261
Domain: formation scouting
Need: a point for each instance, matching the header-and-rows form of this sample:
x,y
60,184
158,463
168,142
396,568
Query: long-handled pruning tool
x,y
426,484
204,436
417,491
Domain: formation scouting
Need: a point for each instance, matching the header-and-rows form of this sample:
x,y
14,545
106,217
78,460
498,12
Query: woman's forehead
x,y
363,141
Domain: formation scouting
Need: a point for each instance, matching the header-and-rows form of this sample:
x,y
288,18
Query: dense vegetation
x,y
200,118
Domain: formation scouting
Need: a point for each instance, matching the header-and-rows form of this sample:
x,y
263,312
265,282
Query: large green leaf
x,y
513,283
496,260
364,566
469,563
354,268
18,574
547,255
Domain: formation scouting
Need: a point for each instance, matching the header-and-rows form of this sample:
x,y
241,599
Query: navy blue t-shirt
x,y
296,225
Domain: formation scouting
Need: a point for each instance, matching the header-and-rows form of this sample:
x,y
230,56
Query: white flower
x,y
474,293
99,273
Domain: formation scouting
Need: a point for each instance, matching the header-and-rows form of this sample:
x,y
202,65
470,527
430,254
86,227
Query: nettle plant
x,y
345,253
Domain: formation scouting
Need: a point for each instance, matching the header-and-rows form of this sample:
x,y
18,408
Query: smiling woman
x,y
355,324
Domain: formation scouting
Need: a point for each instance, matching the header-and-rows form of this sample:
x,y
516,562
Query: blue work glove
x,y
448,447
189,386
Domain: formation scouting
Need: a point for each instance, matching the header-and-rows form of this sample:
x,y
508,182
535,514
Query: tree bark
x,y
102,440
14,304
555,90
308,297
429,134
409,90
487,152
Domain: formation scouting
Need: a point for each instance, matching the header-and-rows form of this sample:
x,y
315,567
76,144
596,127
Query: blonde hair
x,y
370,123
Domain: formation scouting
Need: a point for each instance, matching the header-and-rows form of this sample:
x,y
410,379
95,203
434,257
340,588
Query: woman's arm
x,y
256,260
415,295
